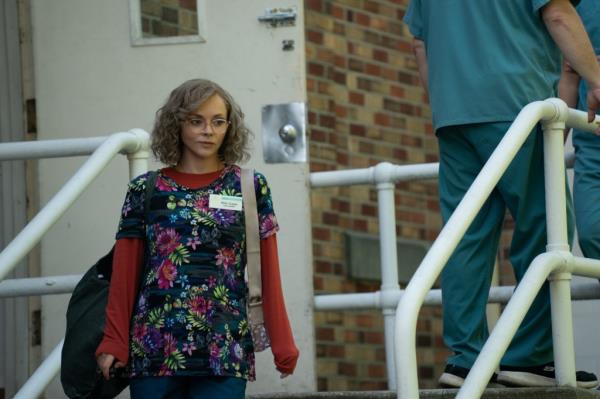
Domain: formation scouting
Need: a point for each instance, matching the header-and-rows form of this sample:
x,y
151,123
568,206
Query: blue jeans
x,y
187,387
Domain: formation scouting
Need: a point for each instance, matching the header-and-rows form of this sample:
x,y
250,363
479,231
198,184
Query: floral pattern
x,y
190,317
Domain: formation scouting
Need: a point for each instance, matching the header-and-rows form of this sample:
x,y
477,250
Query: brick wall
x,y
366,106
165,18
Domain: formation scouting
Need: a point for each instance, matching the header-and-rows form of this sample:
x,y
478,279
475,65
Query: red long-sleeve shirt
x,y
127,266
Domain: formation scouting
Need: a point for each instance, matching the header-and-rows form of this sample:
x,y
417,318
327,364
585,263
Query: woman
x,y
186,334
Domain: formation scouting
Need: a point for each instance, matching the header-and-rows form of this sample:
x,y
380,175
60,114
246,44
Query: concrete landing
x,y
493,393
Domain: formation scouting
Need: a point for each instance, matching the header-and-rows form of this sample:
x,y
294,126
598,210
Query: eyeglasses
x,y
217,125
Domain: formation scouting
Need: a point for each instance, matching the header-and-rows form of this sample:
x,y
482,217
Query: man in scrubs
x,y
482,62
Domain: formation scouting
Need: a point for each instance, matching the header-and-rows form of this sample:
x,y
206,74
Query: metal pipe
x,y
556,226
400,173
395,173
578,120
32,233
580,291
586,267
444,245
138,160
38,149
509,321
562,329
554,180
389,260
35,385
39,286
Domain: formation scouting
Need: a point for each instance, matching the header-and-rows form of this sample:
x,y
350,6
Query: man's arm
x,y
565,27
418,47
568,88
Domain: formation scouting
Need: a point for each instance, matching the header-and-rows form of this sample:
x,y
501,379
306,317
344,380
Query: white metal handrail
x,y
553,113
102,149
382,175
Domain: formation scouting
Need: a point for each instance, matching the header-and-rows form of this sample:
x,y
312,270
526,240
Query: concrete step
x,y
492,393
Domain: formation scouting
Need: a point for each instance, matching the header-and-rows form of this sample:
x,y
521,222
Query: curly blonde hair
x,y
166,141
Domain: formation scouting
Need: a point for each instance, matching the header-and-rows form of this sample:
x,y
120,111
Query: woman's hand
x,y
105,362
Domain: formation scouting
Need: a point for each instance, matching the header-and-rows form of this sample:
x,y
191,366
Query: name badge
x,y
225,202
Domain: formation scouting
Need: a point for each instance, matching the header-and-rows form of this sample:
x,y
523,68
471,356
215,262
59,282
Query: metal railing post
x,y
556,221
138,161
389,260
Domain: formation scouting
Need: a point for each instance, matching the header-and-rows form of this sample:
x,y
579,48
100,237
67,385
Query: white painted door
x,y
91,81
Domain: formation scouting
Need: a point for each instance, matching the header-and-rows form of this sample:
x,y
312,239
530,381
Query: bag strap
x,y
252,247
150,183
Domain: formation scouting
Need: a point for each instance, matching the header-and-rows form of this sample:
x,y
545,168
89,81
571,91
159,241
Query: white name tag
x,y
225,202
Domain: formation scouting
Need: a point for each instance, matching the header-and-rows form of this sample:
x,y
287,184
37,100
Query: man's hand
x,y
593,104
105,361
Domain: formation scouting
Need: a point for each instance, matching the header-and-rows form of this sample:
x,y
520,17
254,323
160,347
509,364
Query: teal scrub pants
x,y
466,278
586,192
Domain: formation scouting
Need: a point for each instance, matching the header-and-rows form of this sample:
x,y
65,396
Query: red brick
x,y
373,69
380,55
374,337
318,135
342,159
320,233
314,36
316,69
376,371
356,98
316,5
340,111
325,334
337,11
348,369
362,19
323,267
331,218
399,154
327,121
364,321
358,130
397,91
340,205
368,210
188,4
360,225
335,351
371,6
351,336
382,119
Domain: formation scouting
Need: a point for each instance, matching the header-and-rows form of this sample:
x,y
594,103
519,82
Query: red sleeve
x,y
122,292
276,319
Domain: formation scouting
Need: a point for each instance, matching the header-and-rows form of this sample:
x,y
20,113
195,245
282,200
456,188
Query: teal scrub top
x,y
589,11
487,59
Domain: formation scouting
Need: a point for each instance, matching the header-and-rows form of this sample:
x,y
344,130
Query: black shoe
x,y
541,376
454,377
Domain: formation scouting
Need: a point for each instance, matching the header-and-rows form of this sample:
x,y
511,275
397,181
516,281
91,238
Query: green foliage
x,y
179,255
156,318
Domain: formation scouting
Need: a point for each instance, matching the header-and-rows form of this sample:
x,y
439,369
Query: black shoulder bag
x,y
85,328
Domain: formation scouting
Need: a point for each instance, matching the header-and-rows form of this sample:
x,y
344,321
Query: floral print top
x,y
190,316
